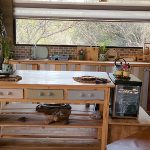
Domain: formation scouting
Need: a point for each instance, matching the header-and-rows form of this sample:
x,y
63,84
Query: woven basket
x,y
55,112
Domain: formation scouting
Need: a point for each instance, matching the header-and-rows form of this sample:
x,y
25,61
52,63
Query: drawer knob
x,y
82,95
9,93
50,94
41,94
90,95
1,93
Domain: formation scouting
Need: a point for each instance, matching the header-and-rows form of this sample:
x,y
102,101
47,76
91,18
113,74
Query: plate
x,y
112,54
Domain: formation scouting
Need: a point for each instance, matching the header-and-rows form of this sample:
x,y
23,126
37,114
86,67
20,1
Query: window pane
x,y
63,32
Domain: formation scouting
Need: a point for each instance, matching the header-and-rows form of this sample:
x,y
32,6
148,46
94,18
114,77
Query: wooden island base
x,y
82,131
32,133
48,144
20,123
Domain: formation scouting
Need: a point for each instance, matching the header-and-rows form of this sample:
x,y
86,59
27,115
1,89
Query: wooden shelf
x,y
34,134
81,117
46,132
54,101
49,144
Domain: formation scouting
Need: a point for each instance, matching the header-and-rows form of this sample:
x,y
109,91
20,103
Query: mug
x,y
7,68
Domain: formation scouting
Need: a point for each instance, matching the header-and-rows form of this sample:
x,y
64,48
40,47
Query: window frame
x,y
49,45
78,6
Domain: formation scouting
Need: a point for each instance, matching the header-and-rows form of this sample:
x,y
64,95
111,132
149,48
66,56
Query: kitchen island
x,y
54,87
139,69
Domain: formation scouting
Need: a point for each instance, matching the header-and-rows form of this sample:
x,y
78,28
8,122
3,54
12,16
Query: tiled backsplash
x,y
24,52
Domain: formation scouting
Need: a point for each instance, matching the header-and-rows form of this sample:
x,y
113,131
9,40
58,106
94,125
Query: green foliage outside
x,y
89,33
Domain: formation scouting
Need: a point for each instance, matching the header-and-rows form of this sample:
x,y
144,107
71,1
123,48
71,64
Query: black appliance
x,y
125,98
1,61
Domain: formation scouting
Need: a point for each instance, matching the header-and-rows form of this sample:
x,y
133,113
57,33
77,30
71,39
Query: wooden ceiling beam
x,y
100,6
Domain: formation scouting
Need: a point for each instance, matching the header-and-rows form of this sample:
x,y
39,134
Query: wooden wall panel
x,y
148,98
117,132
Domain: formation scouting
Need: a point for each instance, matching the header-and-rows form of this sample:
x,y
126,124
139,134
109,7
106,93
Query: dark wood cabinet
x,y
148,97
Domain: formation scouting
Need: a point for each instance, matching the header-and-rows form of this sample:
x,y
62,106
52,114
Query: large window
x,y
63,32
82,22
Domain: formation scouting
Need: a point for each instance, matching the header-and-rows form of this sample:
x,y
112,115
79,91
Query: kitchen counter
x,y
77,62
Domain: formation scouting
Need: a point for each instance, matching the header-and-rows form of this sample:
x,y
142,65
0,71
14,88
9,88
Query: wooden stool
x,y
138,141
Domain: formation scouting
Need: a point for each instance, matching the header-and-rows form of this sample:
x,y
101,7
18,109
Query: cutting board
x,y
91,53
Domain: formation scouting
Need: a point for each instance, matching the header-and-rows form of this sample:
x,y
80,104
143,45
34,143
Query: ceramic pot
x,y
7,68
81,57
102,57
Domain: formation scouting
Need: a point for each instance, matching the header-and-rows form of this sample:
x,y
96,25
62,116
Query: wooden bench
x,y
137,141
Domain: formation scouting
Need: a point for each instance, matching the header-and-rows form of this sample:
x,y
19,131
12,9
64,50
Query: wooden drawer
x,y
11,93
45,94
85,95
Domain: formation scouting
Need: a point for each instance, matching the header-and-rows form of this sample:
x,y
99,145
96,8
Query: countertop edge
x,y
85,62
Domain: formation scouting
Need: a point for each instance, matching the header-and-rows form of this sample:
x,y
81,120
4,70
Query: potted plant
x,y
6,67
102,51
1,36
6,50
81,54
